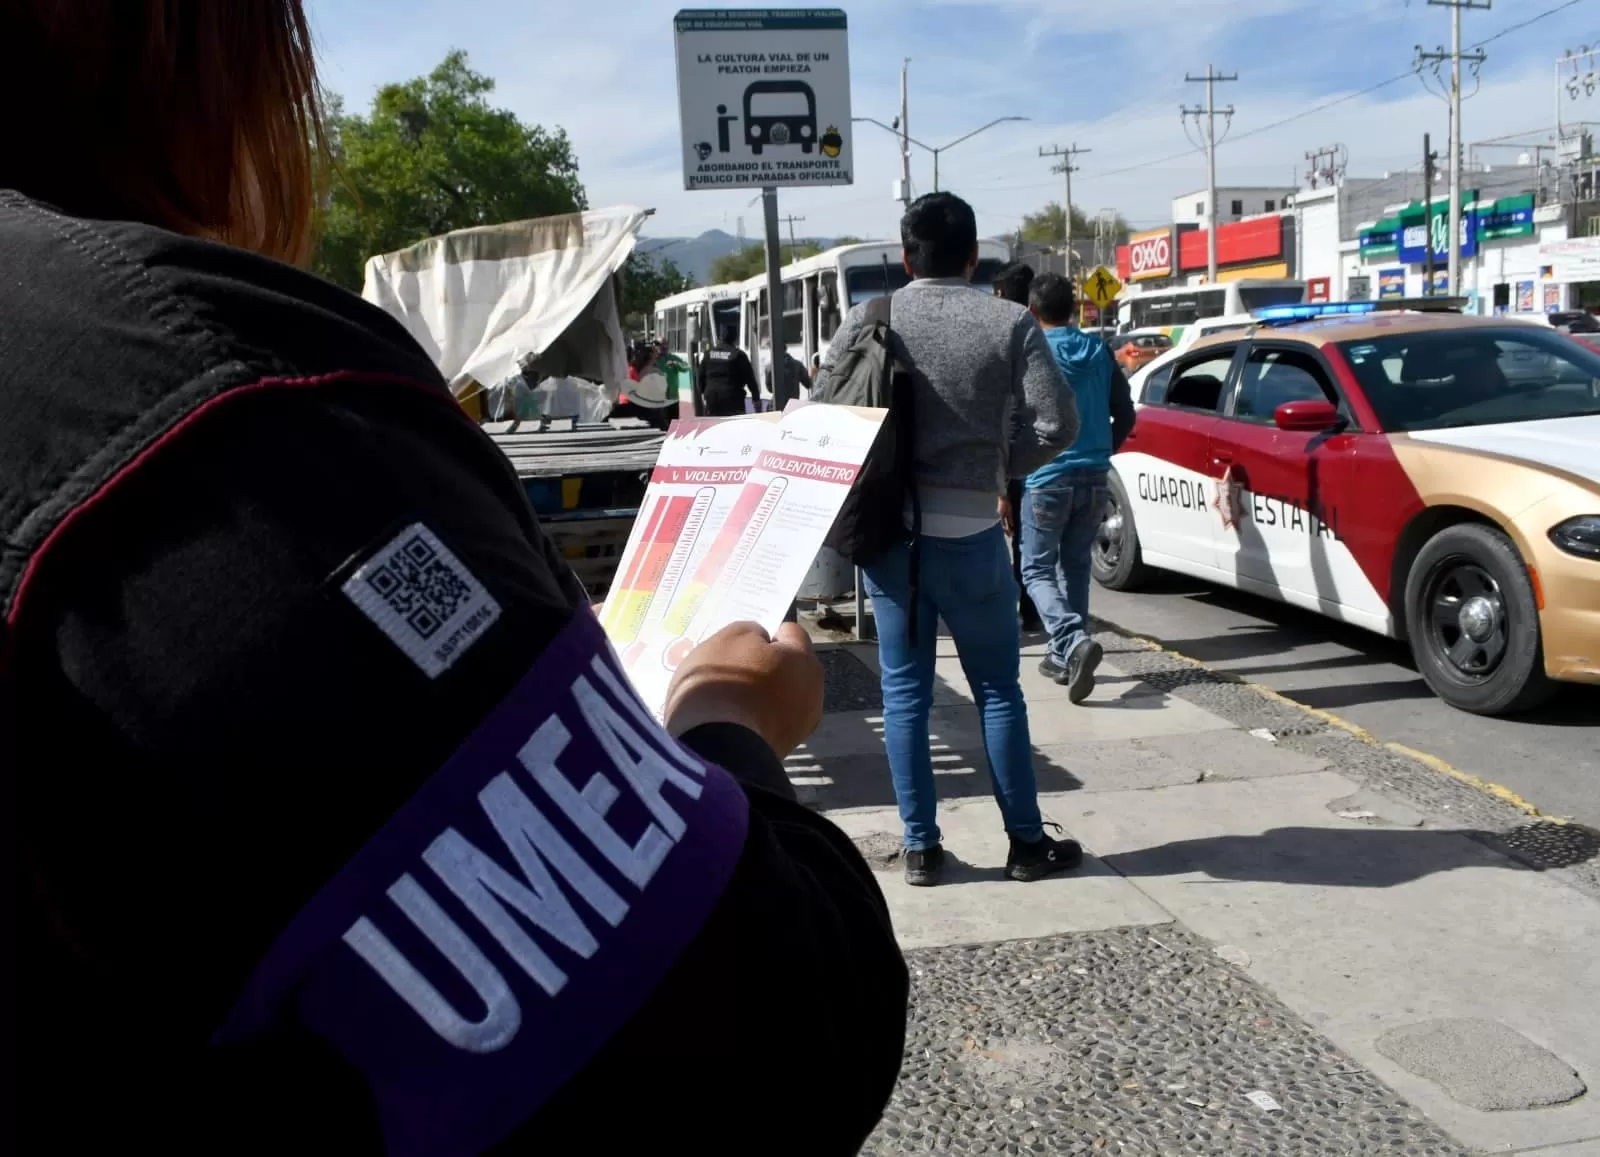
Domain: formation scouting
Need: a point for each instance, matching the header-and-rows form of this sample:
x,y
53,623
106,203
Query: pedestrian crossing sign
x,y
1101,287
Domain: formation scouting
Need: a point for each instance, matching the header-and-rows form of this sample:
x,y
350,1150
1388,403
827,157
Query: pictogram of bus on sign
x,y
779,113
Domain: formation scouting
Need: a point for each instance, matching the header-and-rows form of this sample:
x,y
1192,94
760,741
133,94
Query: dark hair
x,y
641,355
199,117
1013,281
939,234
1052,298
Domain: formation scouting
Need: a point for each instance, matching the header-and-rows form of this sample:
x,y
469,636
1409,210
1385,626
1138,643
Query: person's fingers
x,y
794,636
742,628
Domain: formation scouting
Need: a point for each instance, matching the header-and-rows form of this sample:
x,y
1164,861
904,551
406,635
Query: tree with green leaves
x,y
646,279
752,260
1046,227
434,155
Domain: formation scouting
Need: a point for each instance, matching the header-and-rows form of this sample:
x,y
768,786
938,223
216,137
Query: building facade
x,y
1233,204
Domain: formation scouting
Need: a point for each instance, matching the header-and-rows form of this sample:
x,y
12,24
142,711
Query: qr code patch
x,y
424,598
423,590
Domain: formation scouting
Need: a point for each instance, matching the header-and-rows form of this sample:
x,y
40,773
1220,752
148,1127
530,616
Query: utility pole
x,y
1428,158
794,250
1455,57
1210,112
1068,168
1325,164
905,132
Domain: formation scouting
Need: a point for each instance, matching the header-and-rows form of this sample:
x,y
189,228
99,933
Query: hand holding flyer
x,y
744,531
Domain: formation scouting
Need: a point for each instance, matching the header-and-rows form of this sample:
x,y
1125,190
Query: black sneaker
x,y
1044,857
1053,671
1081,666
925,866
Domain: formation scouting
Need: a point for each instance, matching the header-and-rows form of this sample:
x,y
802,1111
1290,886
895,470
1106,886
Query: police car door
x,y
1278,520
1165,463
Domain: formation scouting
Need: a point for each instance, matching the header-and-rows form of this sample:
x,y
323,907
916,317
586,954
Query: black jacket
x,y
331,826
726,374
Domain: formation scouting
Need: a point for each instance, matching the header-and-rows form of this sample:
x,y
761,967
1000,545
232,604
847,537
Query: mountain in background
x,y
694,255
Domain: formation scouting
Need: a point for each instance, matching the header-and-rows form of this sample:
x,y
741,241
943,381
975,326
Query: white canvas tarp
x,y
482,302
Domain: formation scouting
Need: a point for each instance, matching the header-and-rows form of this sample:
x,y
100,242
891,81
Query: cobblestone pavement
x,y
1144,1040
1137,1041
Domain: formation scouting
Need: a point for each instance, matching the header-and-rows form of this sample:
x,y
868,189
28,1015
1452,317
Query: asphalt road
x,y
1551,757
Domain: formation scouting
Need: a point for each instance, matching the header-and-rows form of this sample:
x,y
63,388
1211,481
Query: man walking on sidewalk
x,y
986,398
1013,283
1065,498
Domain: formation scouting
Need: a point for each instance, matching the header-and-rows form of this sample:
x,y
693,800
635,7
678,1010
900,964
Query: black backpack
x,y
872,519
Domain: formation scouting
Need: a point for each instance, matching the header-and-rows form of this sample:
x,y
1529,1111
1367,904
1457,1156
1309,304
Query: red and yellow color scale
x,y
721,564
670,532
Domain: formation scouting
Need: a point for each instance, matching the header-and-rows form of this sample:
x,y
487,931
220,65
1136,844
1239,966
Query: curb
x,y
1431,762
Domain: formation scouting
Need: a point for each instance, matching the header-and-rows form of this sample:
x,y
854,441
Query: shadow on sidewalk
x,y
1357,858
861,779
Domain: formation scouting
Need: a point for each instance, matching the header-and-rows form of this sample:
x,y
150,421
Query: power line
x,y
1507,31
1327,104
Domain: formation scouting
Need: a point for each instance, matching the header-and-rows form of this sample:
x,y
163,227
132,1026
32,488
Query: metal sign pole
x,y
777,363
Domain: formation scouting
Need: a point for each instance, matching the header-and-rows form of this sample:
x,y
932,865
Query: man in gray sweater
x,y
990,405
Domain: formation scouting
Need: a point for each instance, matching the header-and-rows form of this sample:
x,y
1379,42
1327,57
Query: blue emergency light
x,y
1320,309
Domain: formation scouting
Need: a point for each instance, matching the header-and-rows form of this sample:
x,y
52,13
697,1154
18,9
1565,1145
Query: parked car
x,y
1428,476
1138,349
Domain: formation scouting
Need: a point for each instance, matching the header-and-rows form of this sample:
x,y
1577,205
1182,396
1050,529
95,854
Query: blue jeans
x,y
968,583
1059,522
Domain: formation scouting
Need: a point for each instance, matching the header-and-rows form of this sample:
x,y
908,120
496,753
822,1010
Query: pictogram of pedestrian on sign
x,y
1101,287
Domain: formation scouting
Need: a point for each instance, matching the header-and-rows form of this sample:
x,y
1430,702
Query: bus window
x,y
794,313
829,316
988,269
724,319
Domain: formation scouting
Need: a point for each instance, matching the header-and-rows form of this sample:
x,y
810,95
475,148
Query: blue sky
x,y
1108,76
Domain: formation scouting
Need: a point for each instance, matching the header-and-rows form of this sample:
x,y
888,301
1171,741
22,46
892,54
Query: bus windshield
x,y
1257,297
866,282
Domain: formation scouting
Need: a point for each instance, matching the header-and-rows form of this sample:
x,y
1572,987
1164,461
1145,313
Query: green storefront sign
x,y
1382,241
1506,218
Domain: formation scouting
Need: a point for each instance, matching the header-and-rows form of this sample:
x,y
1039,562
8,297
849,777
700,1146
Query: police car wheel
x,y
1473,621
1115,559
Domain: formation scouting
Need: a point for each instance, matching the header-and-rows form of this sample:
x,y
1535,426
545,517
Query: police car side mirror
x,y
1310,416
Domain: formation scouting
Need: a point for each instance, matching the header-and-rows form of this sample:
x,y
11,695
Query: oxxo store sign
x,y
1148,255
1254,248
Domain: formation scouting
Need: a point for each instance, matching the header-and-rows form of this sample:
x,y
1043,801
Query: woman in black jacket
x,y
332,822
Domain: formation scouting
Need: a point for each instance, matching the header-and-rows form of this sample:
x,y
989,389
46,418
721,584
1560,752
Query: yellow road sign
x,y
1101,287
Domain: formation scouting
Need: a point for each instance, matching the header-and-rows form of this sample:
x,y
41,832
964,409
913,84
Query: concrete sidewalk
x,y
1271,947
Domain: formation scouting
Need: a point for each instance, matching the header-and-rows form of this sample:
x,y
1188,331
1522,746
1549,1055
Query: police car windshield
x,y
1452,377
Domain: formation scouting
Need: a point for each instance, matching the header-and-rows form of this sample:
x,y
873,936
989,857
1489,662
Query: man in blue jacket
x,y
1065,498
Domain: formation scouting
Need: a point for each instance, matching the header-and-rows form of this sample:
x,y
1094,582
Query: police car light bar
x,y
1288,314
1320,309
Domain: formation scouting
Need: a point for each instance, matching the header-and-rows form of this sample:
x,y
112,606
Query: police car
x,y
1430,476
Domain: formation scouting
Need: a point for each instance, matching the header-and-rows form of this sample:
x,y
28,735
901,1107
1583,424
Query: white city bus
x,y
695,315
1173,308
818,291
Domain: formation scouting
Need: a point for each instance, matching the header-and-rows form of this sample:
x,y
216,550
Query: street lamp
x,y
936,150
